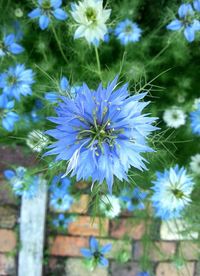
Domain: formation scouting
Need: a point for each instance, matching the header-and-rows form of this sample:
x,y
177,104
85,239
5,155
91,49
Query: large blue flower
x,y
17,81
96,253
9,45
8,116
46,9
128,31
186,21
172,191
101,133
195,120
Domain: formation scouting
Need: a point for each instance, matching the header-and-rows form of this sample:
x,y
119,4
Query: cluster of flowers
x,y
188,20
90,17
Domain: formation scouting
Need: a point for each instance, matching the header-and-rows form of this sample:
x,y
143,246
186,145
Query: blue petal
x,y
35,13
3,101
93,244
9,174
86,253
189,33
43,22
106,248
51,97
56,3
64,83
60,14
16,48
103,261
196,4
174,25
184,10
9,39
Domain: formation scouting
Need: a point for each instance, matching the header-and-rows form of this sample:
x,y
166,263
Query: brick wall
x,y
127,234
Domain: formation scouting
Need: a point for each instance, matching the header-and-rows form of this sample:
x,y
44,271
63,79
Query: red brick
x,y
67,246
87,226
133,228
189,250
8,217
7,240
169,269
160,251
80,206
15,156
7,265
6,193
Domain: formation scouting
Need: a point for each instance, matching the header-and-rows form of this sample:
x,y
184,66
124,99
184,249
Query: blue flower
x,y
9,45
195,120
9,118
60,198
22,183
17,81
128,31
64,89
172,191
101,133
96,253
62,221
134,199
187,22
45,10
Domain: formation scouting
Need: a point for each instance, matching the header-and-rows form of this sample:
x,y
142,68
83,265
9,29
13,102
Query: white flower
x,y
196,103
174,117
195,164
91,18
36,140
110,206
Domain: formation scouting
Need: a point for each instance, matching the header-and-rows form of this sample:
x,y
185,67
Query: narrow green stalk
x,y
98,62
59,44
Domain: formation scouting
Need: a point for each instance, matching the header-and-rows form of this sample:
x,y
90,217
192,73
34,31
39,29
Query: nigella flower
x,y
195,121
36,140
186,22
17,81
61,221
195,164
22,183
110,206
9,46
174,117
45,10
96,253
60,198
134,199
8,117
172,191
128,31
64,90
101,133
91,18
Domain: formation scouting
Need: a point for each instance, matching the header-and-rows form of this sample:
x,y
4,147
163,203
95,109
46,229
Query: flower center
x,y
11,80
128,29
135,201
177,193
97,255
46,5
91,15
175,116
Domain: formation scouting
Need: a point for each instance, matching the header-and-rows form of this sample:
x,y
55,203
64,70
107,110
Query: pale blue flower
x,y
45,10
187,22
195,121
10,46
128,31
134,199
172,191
96,253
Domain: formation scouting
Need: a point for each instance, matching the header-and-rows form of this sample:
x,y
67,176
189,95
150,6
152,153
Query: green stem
x,y
98,62
59,44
